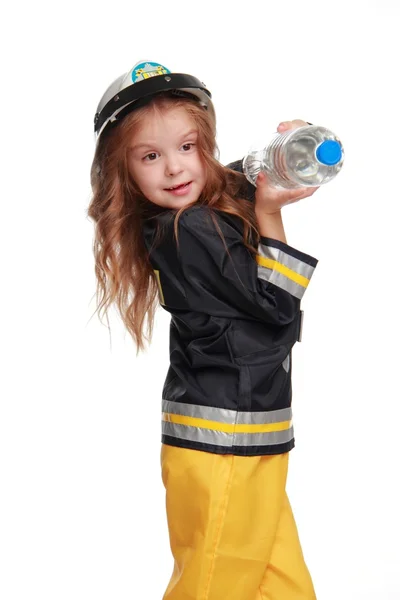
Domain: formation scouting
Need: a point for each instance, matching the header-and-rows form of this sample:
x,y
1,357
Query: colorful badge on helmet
x,y
145,70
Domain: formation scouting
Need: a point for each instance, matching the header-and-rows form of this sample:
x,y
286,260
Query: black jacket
x,y
234,322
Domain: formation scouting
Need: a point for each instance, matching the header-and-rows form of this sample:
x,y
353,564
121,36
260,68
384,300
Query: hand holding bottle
x,y
298,155
269,199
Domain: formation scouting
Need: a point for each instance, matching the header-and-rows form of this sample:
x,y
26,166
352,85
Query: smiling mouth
x,y
178,187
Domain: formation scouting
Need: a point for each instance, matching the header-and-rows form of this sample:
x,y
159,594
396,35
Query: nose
x,y
172,165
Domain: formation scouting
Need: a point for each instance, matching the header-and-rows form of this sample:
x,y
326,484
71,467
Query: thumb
x,y
261,179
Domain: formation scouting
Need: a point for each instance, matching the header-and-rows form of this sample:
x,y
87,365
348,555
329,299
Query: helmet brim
x,y
127,100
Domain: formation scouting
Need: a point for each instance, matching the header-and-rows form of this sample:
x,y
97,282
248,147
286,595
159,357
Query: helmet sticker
x,y
146,70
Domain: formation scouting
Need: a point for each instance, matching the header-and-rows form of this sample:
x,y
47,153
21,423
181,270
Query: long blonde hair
x,y
123,270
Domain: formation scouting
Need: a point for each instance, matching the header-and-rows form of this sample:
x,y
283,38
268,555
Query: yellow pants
x,y
231,528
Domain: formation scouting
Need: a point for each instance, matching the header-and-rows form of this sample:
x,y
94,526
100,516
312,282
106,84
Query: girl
x,y
175,227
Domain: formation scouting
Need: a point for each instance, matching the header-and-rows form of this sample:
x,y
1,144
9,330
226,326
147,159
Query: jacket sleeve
x,y
268,287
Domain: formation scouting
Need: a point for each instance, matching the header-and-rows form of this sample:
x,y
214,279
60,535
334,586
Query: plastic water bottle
x,y
308,156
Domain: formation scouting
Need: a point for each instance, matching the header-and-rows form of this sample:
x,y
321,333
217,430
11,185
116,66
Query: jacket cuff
x,y
284,266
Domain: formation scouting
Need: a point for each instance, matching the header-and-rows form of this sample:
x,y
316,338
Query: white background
x,y
82,503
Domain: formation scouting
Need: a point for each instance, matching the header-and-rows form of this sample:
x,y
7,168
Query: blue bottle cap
x,y
329,152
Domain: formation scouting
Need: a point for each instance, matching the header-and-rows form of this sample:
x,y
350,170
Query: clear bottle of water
x,y
308,156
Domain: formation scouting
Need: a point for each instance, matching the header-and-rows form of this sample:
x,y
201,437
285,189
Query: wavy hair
x,y
124,274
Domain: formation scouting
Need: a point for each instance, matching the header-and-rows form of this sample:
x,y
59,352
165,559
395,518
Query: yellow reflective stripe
x,y
277,266
225,427
157,273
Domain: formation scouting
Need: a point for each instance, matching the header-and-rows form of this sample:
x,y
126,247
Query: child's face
x,y
163,155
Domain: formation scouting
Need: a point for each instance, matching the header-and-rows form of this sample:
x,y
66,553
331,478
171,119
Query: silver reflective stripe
x,y
286,363
197,434
281,281
208,422
223,415
295,281
220,438
282,257
258,418
263,439
300,336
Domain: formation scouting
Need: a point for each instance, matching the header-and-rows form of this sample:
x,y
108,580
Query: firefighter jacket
x,y
234,321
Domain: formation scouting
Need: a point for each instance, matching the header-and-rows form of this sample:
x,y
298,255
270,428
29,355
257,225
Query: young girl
x,y
175,227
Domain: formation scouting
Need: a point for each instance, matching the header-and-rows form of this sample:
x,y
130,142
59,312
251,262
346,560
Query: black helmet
x,y
143,80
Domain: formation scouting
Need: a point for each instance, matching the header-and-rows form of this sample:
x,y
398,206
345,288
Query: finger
x,y
288,125
264,186
304,193
299,123
263,180
283,126
309,191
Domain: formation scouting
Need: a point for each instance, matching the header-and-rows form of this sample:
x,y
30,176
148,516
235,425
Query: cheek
x,y
148,181
133,171
199,167
138,175
202,172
